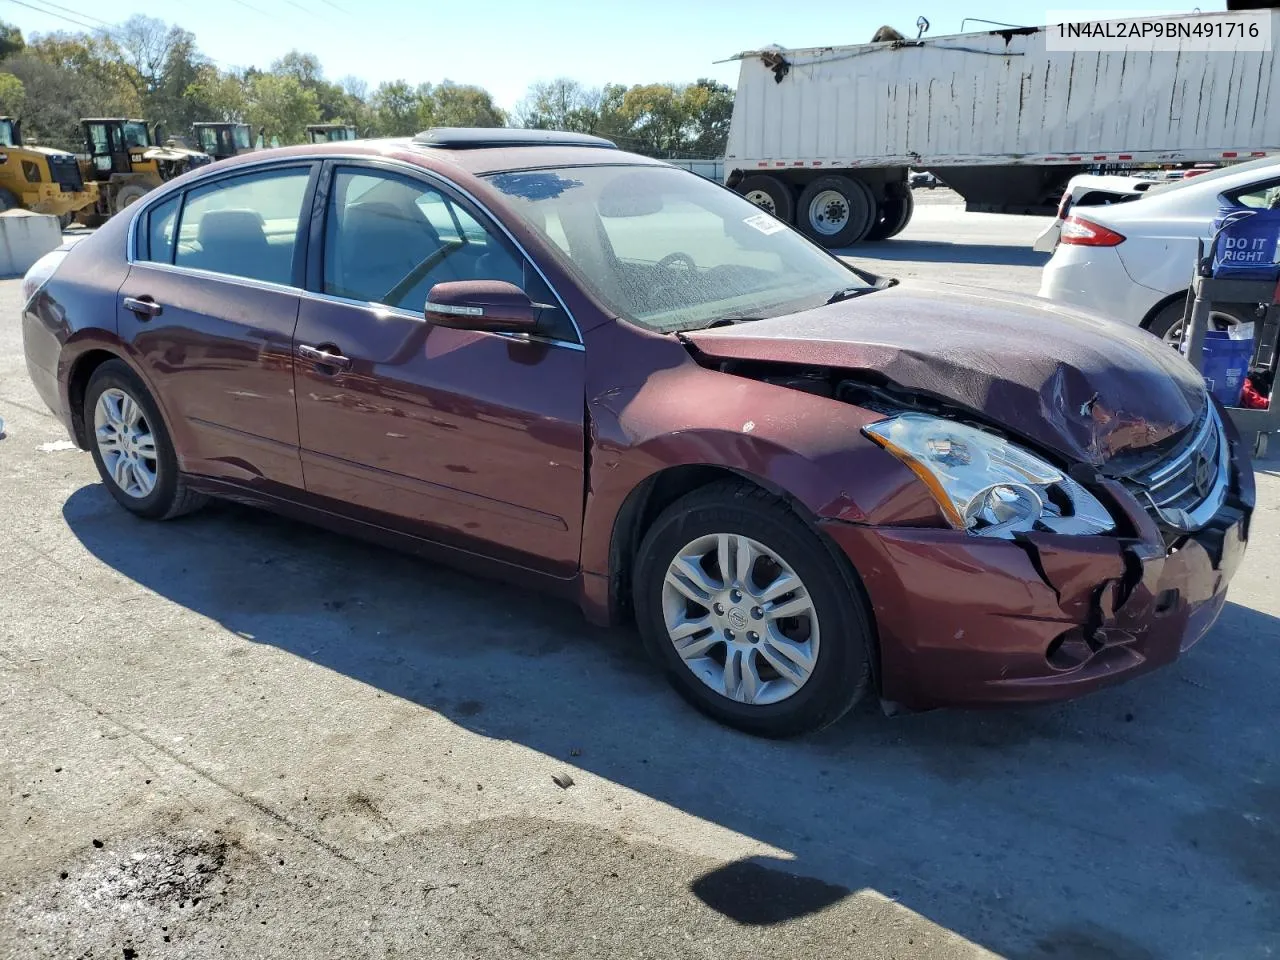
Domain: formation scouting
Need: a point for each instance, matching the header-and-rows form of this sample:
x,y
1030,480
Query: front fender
x,y
809,448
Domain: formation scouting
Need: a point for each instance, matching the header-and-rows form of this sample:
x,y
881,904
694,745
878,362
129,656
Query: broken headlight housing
x,y
986,485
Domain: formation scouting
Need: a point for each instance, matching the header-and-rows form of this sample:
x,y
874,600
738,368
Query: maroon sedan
x,y
633,387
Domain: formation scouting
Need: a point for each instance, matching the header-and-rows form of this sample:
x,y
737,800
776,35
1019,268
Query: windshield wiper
x,y
848,293
728,321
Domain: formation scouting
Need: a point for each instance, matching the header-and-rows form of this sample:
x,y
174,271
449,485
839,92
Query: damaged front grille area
x,y
1186,489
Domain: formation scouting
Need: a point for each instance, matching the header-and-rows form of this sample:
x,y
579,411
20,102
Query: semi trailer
x,y
823,137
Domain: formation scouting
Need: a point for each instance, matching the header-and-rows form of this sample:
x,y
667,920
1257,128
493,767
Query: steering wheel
x,y
678,257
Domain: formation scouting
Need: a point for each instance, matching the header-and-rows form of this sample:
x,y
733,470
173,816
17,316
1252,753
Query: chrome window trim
x,y
224,277
372,161
421,318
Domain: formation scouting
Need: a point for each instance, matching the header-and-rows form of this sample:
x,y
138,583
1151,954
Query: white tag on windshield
x,y
765,223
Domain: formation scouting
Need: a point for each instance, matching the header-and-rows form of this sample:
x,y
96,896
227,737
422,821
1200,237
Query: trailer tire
x,y
771,194
893,216
836,211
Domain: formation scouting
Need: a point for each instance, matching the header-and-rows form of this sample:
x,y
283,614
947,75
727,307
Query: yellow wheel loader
x,y
330,132
222,140
126,161
40,179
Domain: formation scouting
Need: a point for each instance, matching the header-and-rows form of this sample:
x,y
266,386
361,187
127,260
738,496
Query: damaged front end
x,y
1051,612
1040,579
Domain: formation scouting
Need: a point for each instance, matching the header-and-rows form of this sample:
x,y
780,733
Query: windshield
x,y
136,134
242,136
670,250
6,134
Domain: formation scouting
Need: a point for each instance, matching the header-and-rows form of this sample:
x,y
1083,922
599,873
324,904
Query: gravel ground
x,y
234,735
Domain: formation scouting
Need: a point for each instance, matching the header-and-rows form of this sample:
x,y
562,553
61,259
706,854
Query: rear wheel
x,y
836,211
131,446
893,216
770,193
1167,324
754,619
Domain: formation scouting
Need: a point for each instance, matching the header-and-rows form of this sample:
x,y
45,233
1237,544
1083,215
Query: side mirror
x,y
482,305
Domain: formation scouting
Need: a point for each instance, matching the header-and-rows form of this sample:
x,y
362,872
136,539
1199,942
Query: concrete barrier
x,y
25,237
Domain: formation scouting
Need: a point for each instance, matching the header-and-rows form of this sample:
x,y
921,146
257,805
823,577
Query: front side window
x,y
209,140
244,226
6,134
670,250
389,239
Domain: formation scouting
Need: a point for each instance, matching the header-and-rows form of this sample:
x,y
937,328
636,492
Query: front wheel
x,y
754,619
131,446
771,194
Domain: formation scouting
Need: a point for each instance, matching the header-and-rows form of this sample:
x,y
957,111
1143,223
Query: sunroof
x,y
476,138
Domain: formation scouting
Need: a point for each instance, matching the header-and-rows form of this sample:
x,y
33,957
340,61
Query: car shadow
x,y
936,251
1075,830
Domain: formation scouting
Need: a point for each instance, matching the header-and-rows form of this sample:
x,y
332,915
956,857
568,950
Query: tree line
x,y
147,68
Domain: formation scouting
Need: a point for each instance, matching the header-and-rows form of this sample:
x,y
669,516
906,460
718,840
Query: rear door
x,y
465,437
210,306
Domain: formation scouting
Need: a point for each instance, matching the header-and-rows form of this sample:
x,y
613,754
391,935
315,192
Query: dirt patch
x,y
124,891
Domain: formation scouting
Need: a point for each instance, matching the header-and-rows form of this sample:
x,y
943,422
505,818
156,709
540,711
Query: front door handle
x,y
144,307
325,355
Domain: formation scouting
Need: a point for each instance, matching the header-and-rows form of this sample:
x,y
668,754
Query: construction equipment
x,y
40,179
221,140
330,132
123,157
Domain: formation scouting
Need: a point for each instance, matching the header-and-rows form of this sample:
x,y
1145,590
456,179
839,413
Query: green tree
x,y
281,106
457,105
13,95
395,107
11,41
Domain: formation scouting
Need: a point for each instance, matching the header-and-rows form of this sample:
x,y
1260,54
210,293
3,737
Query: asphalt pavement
x,y
234,735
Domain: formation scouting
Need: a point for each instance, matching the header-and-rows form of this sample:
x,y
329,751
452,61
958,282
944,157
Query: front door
x,y
209,308
473,439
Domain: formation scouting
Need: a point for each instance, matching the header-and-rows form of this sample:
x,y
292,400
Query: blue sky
x,y
505,45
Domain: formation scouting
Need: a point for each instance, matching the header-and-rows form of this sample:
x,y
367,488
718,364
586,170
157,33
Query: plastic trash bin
x,y
1226,364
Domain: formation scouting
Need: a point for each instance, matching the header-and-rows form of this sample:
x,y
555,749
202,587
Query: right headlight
x,y
986,485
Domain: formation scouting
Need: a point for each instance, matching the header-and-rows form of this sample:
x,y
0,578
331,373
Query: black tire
x,y
855,204
842,668
1223,316
8,200
171,496
780,195
892,216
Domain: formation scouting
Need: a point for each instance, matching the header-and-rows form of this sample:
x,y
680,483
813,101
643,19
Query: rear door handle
x,y
144,307
324,356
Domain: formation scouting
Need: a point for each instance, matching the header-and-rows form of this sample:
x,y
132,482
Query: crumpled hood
x,y
1077,384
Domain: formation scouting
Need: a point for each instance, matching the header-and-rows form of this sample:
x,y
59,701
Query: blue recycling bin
x,y
1225,365
1246,242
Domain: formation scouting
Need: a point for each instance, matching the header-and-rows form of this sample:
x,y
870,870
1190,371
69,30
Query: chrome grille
x,y
1186,489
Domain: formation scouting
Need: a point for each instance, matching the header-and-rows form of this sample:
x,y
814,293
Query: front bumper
x,y
51,199
964,621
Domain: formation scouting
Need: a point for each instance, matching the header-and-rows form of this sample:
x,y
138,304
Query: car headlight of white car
x,y
986,485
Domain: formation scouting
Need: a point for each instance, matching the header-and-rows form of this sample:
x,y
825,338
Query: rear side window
x,y
162,219
1264,196
244,226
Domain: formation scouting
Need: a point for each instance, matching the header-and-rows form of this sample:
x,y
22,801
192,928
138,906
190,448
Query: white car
x,y
1091,190
1133,261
